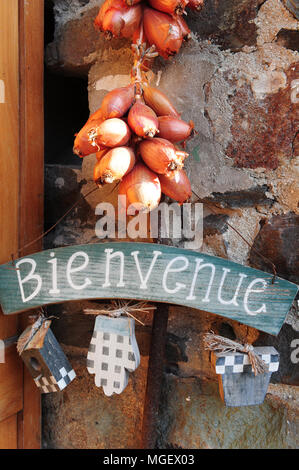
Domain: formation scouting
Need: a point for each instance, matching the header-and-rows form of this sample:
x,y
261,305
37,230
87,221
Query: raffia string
x,y
121,307
220,343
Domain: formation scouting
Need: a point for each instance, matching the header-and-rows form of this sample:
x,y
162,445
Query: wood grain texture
x,y
11,380
31,26
9,433
146,271
9,142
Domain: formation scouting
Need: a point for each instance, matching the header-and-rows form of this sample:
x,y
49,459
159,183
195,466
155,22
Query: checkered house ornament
x,y
44,357
243,371
113,350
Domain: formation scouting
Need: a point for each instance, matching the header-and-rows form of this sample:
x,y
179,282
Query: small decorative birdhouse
x,y
113,353
238,385
44,358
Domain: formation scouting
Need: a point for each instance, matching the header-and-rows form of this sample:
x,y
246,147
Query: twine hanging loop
x,y
221,344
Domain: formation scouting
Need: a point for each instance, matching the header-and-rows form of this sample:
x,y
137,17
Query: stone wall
x,y
235,80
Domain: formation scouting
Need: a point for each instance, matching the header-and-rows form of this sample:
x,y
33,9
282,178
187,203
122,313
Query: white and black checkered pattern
x,y
236,362
113,351
50,384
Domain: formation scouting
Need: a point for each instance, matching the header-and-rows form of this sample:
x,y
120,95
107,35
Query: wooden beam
x,y
11,380
9,142
31,20
9,433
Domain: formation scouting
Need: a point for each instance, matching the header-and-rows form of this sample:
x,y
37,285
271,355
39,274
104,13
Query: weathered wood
x,y
9,433
238,386
11,380
154,378
47,362
31,40
113,353
146,271
9,142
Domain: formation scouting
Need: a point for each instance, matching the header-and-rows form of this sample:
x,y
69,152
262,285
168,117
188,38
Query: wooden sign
x,y
145,271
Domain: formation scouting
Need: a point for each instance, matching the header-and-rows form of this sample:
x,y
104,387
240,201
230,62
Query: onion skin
x,y
117,102
116,19
130,3
143,120
112,133
172,7
195,4
83,145
142,188
163,31
161,156
176,185
174,129
159,102
184,28
101,153
115,164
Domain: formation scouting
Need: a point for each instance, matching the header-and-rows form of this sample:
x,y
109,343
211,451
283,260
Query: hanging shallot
x,y
117,102
174,129
163,31
84,142
111,133
142,188
159,102
173,7
116,19
176,185
115,164
143,120
161,156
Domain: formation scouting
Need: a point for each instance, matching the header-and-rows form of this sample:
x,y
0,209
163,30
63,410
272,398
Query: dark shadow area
x,y
66,107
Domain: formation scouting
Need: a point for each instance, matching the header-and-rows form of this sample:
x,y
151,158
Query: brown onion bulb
x,y
174,129
115,164
117,102
130,3
163,31
101,153
176,185
161,156
173,7
96,116
159,102
83,144
184,28
115,18
142,188
111,133
143,120
195,4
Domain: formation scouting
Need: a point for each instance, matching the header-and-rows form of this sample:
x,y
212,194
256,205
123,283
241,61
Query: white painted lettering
x,y
110,256
54,289
191,295
248,292
29,277
234,299
70,270
135,254
169,269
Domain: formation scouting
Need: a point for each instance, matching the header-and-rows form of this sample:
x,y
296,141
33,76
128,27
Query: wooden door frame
x,y
21,191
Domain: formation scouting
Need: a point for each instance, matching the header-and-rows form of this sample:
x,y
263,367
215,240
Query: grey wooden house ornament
x,y
44,357
238,385
113,353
